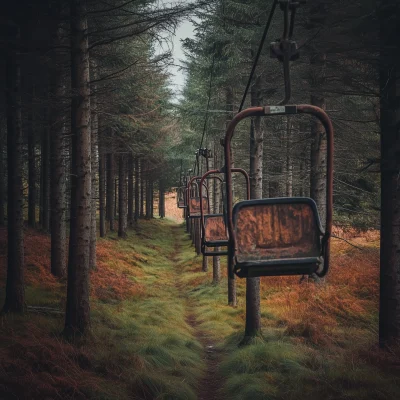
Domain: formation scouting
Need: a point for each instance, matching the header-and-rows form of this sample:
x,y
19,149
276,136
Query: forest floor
x,y
162,330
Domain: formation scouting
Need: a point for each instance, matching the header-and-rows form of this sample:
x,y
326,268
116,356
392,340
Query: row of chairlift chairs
x,y
262,237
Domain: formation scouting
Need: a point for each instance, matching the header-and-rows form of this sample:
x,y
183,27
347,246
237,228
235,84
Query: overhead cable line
x,y
260,47
207,108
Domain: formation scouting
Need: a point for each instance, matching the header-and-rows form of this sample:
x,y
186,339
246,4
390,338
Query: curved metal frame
x,y
202,216
188,195
182,190
273,111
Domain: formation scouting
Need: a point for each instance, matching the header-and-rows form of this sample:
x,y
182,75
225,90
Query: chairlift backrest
x,y
214,225
193,198
279,228
276,229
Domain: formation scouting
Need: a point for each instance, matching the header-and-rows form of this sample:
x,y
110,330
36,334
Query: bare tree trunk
x,y
137,194
253,313
102,192
122,216
142,183
94,132
57,172
2,174
77,317
289,161
319,145
31,167
216,210
151,199
389,71
15,292
46,178
110,189
130,191
232,297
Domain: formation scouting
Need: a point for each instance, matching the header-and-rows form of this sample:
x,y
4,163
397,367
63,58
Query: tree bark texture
x,y
15,292
122,215
318,155
2,173
389,71
102,192
57,170
31,167
137,194
45,181
94,133
253,313
77,318
110,190
130,190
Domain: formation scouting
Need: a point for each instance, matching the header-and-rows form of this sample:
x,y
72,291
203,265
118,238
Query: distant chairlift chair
x,y
213,226
279,236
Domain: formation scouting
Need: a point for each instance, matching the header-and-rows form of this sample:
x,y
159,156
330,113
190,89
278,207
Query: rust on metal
x,y
194,205
273,111
215,229
276,231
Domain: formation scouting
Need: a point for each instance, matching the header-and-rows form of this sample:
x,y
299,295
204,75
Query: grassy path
x,y
161,330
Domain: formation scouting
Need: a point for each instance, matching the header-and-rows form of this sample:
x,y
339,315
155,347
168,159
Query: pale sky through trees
x,y
185,30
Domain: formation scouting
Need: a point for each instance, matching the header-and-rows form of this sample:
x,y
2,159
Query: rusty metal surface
x,y
215,229
194,205
321,115
276,231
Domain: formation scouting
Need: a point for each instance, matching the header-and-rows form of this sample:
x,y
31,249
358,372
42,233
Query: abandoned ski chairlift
x,y
213,226
181,197
278,236
193,198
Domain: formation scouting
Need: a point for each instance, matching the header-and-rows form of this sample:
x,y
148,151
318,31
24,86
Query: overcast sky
x,y
185,30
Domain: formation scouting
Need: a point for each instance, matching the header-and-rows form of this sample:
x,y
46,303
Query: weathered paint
x,y
215,229
276,231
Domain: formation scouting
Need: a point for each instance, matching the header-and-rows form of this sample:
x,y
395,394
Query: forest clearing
x,y
200,199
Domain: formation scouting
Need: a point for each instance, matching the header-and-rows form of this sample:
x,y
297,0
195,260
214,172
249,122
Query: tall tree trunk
x,y
130,190
142,183
31,167
253,314
110,189
289,161
162,199
389,71
2,173
77,317
102,192
15,292
94,133
216,210
137,197
57,171
45,188
122,216
232,296
148,198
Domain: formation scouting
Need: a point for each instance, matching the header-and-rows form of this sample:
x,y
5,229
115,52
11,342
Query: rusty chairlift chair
x,y
278,236
181,197
193,210
213,226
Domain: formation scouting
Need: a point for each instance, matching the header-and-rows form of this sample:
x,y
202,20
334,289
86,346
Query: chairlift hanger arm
x,y
273,111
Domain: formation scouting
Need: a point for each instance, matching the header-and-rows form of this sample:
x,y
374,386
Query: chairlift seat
x,y
194,206
215,233
278,236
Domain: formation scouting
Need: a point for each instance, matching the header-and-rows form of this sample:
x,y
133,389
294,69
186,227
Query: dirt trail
x,y
210,384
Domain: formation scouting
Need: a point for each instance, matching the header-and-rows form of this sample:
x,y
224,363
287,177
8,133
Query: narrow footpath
x,y
210,385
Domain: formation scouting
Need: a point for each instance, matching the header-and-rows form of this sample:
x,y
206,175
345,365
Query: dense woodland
x,y
104,299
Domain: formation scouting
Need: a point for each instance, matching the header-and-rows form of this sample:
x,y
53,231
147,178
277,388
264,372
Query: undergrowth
x,y
318,340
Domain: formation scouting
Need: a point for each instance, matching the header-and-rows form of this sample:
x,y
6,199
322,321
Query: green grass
x,y
143,347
